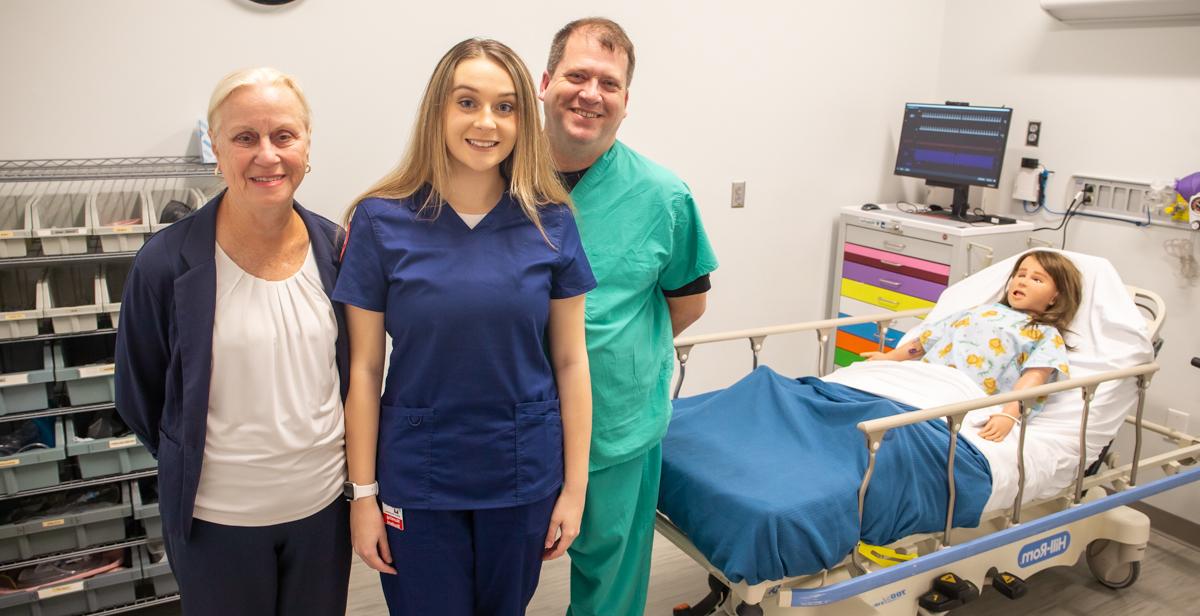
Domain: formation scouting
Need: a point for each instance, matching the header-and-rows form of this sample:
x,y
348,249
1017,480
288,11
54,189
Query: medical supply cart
x,y
895,259
75,227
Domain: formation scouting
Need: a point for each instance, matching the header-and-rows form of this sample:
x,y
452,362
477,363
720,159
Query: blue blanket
x,y
763,476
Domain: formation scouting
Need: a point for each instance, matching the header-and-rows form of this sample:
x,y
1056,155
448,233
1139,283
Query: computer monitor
x,y
954,146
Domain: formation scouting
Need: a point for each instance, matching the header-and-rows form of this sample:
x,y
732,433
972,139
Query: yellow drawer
x,y
883,298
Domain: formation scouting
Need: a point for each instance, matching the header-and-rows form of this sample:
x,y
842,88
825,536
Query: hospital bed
x,y
1034,518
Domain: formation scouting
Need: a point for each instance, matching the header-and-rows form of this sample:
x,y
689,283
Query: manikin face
x,y
586,96
480,120
1031,289
261,144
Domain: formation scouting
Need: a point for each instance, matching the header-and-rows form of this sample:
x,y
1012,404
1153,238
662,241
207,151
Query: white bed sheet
x,y
925,385
1108,333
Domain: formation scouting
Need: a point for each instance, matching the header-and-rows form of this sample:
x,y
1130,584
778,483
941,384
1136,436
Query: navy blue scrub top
x,y
469,417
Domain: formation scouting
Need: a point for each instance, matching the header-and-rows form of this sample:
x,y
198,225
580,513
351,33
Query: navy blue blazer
x,y
164,347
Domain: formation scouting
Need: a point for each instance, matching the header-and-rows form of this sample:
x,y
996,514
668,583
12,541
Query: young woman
x,y
467,257
1012,344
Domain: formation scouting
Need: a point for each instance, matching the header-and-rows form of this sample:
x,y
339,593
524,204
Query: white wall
x,y
798,99
1115,101
801,100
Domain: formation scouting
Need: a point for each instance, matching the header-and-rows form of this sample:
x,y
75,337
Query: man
x,y
642,234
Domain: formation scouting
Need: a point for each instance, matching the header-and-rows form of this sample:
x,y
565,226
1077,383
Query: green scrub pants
x,y
610,561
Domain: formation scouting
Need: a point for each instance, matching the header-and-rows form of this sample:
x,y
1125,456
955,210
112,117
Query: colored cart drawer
x,y
883,298
899,283
870,332
855,308
855,344
899,244
898,264
843,358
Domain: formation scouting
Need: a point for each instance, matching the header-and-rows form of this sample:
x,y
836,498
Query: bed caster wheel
x,y
717,593
1101,556
745,609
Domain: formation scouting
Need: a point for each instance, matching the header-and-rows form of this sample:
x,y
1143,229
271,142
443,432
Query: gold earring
x,y
307,168
217,171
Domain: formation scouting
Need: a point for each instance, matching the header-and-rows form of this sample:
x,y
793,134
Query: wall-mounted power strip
x,y
1124,199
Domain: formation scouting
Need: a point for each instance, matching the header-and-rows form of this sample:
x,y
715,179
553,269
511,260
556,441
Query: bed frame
x,y
1089,518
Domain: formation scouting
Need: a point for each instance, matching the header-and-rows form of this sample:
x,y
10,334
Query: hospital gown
x,y
993,344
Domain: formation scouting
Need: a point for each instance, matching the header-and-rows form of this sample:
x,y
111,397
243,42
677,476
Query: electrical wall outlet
x,y
1178,420
738,196
1033,134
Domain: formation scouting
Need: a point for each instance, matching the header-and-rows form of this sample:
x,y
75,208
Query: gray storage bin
x,y
121,219
86,366
20,302
62,532
147,512
33,469
16,226
63,222
158,573
160,198
112,284
209,192
107,590
105,456
25,369
71,297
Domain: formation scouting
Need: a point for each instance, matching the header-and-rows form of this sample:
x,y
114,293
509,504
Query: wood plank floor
x,y
1170,584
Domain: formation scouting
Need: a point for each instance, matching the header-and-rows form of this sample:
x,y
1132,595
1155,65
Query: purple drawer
x,y
892,281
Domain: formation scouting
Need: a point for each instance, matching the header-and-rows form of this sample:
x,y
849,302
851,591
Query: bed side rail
x,y
875,429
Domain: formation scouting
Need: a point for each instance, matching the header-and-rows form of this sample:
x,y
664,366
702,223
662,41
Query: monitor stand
x,y
958,206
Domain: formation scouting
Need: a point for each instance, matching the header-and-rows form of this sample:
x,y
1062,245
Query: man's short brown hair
x,y
608,33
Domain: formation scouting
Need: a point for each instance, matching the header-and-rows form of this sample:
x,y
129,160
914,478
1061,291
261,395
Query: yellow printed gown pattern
x,y
993,344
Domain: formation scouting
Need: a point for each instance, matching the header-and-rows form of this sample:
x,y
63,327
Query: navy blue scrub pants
x,y
484,562
299,568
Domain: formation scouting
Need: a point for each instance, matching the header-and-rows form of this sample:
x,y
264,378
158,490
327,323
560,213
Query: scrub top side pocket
x,y
405,455
539,449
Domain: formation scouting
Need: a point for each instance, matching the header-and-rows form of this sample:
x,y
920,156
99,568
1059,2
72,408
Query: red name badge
x,y
393,516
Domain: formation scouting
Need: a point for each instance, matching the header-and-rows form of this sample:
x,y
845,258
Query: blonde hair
x,y
252,76
532,180
1067,280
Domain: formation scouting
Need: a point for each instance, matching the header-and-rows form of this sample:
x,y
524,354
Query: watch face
x,y
271,2
348,490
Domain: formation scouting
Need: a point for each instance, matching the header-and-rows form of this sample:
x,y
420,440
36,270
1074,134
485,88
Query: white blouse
x,y
274,452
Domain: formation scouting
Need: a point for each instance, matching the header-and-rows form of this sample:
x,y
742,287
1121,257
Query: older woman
x,y
229,354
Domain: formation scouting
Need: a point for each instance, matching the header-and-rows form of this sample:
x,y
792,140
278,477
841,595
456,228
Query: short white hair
x,y
252,76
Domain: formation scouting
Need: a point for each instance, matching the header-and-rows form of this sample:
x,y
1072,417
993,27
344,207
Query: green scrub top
x,y
642,234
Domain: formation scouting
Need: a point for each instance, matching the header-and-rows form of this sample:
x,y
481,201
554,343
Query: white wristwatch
x,y
353,491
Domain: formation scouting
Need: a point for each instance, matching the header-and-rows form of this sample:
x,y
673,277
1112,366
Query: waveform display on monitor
x,y
974,132
957,159
962,117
